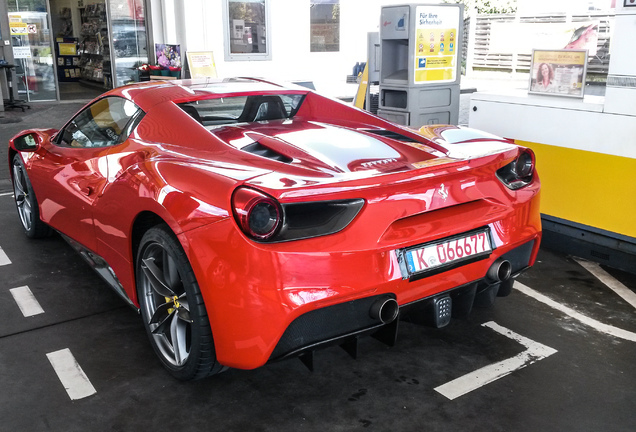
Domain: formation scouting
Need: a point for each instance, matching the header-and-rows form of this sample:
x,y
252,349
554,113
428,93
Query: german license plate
x,y
448,252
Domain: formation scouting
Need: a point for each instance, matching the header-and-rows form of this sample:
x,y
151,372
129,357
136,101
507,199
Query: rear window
x,y
243,109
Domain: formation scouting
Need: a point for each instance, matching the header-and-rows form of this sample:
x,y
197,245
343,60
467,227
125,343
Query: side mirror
x,y
31,140
28,142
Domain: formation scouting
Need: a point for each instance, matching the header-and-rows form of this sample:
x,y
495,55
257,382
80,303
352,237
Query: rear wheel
x,y
172,307
26,203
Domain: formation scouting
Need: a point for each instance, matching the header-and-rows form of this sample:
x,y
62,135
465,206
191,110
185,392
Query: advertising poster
x,y
67,49
521,38
558,72
168,55
435,44
201,64
585,37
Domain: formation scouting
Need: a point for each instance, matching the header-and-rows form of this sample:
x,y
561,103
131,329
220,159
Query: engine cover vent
x,y
266,152
390,134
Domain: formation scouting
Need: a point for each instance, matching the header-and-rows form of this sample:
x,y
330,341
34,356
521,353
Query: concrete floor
x,y
585,384
73,91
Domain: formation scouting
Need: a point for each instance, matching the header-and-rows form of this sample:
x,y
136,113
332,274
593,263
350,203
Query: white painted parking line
x,y
479,378
6,194
73,378
626,294
4,259
597,325
26,301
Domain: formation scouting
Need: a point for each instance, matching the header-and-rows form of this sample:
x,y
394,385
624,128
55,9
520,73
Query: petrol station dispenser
x,y
420,48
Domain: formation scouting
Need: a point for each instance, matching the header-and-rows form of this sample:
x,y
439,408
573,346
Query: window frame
x,y
229,56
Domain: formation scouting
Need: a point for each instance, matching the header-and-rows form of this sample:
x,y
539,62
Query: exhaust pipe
x,y
500,271
385,309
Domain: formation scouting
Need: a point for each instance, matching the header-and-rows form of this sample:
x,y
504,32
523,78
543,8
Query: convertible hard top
x,y
148,94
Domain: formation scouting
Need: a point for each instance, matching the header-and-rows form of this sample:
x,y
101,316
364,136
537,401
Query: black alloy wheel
x,y
172,307
26,203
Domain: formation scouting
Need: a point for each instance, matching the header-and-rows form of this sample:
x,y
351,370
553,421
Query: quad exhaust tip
x,y
500,271
385,309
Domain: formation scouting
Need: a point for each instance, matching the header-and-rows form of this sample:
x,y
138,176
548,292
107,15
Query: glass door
x,y
129,46
33,56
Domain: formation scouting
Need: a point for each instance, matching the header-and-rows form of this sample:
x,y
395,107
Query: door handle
x,y
87,190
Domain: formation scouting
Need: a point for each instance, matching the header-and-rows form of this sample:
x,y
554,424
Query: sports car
x,y
250,221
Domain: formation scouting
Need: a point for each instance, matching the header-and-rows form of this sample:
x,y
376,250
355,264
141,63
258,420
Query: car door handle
x,y
87,190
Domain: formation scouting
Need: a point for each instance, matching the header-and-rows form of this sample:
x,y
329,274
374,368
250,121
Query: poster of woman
x,y
544,81
558,72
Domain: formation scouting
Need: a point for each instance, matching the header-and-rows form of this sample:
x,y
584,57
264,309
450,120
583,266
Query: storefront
x,y
317,41
72,49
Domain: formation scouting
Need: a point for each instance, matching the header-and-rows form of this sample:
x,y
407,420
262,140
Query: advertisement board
x,y
168,55
558,72
67,49
436,42
201,64
521,38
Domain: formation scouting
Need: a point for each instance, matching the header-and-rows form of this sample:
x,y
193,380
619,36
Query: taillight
x,y
519,172
258,215
263,219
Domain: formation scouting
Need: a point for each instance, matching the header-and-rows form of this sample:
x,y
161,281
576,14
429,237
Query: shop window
x,y
246,30
325,25
128,26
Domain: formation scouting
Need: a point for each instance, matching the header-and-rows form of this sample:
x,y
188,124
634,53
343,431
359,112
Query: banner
x,y
522,38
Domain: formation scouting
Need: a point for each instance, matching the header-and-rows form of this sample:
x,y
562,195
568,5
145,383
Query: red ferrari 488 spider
x,y
250,222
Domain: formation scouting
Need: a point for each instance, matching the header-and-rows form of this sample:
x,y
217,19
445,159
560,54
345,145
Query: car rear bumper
x,y
267,302
342,323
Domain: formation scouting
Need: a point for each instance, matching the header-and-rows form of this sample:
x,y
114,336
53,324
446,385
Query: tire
x,y
26,203
172,307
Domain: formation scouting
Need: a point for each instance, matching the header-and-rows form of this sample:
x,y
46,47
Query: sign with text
x,y
201,64
67,49
21,52
436,41
558,72
18,29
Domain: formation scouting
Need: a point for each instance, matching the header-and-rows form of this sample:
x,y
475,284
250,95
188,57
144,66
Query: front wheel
x,y
26,203
172,307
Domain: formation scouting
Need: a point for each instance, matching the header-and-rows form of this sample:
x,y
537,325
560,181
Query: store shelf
x,y
94,47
